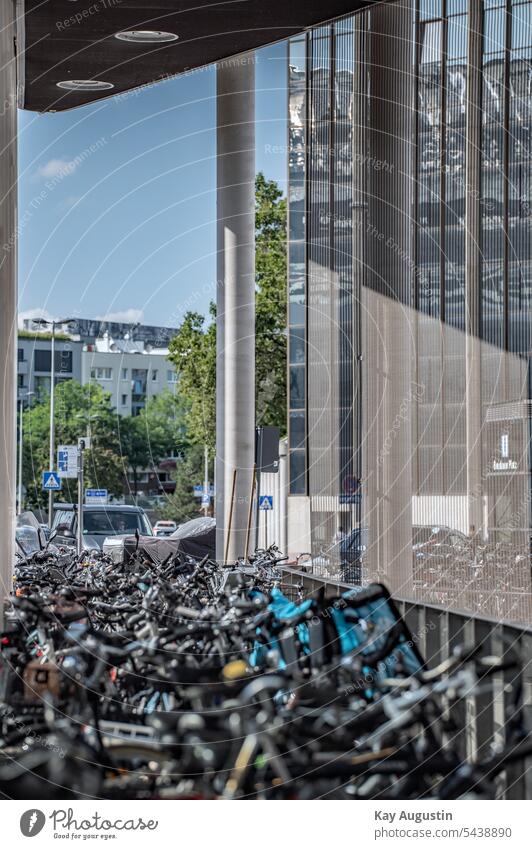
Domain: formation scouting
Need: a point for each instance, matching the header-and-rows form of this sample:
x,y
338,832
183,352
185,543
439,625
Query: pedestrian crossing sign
x,y
266,502
51,481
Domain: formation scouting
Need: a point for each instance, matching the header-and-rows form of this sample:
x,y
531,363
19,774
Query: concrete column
x,y
388,360
220,367
283,495
8,293
475,484
235,380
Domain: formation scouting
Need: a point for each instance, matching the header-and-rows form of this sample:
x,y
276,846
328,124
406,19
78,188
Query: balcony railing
x,y
479,720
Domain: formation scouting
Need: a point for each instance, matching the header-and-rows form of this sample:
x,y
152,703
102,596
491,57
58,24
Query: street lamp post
x,y
20,445
20,449
51,463
53,324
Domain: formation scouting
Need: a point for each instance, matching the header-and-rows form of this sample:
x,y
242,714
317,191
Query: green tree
x,y
157,432
193,353
182,504
79,410
270,303
193,349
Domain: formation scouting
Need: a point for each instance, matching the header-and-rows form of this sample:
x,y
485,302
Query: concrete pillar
x,y
8,293
283,495
235,379
387,300
475,483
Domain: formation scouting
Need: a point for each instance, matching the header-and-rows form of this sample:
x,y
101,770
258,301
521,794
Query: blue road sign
x,y
198,490
205,500
67,461
51,481
265,502
356,498
96,496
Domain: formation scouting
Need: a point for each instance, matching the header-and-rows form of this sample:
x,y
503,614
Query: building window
x,y
42,360
20,381
124,374
124,400
63,362
297,264
101,373
142,477
20,355
154,374
171,376
42,385
139,388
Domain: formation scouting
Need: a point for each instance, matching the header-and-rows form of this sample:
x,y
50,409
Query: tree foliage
x,y
193,349
118,444
193,353
79,411
182,504
156,433
270,303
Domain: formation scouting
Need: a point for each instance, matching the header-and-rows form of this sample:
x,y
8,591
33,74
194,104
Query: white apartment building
x,y
133,372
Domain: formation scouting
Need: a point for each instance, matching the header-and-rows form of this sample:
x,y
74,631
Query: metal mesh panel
x,y
418,291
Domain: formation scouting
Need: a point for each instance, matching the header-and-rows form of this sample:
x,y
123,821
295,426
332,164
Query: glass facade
x,y
297,316
410,298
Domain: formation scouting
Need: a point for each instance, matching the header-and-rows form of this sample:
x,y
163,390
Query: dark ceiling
x,y
55,45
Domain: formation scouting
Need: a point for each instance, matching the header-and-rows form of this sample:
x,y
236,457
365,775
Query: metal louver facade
x,y
410,291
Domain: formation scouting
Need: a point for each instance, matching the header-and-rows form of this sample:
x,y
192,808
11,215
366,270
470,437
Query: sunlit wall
x,y
410,289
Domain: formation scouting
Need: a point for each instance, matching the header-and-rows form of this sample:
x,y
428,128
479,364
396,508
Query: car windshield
x,y
114,522
28,539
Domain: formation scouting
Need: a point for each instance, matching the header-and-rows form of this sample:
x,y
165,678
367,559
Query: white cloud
x,y
69,202
38,312
56,168
130,316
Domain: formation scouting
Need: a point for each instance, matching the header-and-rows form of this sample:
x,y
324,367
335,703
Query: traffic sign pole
x,y
81,448
67,460
52,423
206,501
51,481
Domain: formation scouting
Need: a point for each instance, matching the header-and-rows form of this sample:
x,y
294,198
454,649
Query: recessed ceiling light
x,y
146,36
84,85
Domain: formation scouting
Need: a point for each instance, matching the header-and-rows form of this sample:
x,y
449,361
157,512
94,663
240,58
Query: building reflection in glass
x,y
469,521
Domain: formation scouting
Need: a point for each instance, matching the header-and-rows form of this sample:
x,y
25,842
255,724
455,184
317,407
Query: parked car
x,y
439,541
30,536
27,539
99,523
351,547
343,554
164,528
46,530
196,538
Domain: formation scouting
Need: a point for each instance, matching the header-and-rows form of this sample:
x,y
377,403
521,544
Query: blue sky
x,y
117,200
